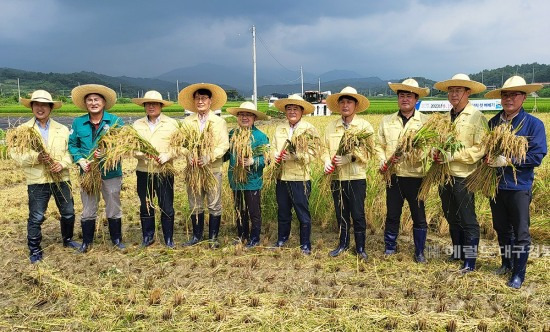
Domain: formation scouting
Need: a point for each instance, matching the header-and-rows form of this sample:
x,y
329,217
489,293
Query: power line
x,y
280,64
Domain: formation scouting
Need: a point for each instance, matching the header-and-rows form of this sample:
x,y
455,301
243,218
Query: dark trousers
x,y
247,206
459,208
39,197
150,185
510,211
349,204
293,194
401,189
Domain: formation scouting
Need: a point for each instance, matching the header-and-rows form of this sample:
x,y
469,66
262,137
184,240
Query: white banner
x,y
444,105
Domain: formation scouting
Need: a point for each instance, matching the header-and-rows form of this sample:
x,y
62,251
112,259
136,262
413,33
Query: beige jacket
x,y
159,138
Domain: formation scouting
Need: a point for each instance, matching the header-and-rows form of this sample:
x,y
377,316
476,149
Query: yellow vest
x,y
333,134
36,172
293,170
159,138
389,134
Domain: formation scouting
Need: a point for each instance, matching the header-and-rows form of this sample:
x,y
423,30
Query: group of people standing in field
x,y
347,168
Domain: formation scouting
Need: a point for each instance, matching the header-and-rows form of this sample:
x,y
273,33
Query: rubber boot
x,y
360,246
419,235
390,243
457,238
197,222
88,230
67,232
167,224
213,230
115,230
506,257
148,231
470,255
305,241
35,251
343,243
520,267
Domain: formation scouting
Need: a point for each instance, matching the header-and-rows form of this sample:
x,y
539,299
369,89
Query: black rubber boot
x,y
197,222
469,251
67,232
419,235
148,231
343,243
88,230
115,230
360,246
390,243
507,265
167,224
521,254
213,230
35,251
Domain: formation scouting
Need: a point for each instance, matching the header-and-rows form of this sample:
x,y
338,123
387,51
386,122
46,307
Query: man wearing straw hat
x,y
84,136
294,185
349,184
457,202
202,99
247,193
405,183
510,208
156,128
38,168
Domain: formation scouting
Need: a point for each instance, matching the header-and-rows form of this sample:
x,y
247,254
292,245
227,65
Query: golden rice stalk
x,y
22,139
90,181
500,141
240,147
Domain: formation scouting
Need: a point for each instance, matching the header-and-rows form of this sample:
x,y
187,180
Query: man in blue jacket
x,y
84,136
245,172
510,208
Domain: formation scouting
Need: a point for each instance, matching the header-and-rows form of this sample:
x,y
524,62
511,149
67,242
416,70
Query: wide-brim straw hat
x,y
294,99
151,96
514,83
247,107
461,80
41,96
186,100
409,85
362,102
80,92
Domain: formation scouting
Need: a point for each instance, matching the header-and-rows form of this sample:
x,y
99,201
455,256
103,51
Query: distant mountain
x,y
339,74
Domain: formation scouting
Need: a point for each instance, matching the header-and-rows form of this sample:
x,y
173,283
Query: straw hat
x,y
410,85
462,80
42,96
151,96
362,102
294,99
185,97
80,92
247,107
514,83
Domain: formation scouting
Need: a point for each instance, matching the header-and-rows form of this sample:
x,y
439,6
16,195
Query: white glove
x,y
329,167
98,154
289,157
442,158
383,166
279,156
163,158
499,161
139,155
204,160
248,161
84,164
342,160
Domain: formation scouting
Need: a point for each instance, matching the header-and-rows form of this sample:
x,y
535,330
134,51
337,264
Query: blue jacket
x,y
255,181
533,129
82,144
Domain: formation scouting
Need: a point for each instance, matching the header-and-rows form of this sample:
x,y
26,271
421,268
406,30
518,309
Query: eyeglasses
x,y
201,98
512,95
245,114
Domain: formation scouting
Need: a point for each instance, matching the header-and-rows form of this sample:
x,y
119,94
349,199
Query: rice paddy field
x,y
263,289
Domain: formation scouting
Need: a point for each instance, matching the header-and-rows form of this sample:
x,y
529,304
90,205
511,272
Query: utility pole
x,y
168,95
120,89
18,90
177,87
255,83
302,79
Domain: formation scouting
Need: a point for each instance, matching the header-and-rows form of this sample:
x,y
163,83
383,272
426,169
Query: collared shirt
x,y
292,128
202,120
43,131
153,124
404,118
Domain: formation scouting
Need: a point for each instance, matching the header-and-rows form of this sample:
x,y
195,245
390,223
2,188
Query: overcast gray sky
x,y
388,39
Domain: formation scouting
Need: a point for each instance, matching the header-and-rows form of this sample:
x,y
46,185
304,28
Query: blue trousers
x,y
39,197
293,194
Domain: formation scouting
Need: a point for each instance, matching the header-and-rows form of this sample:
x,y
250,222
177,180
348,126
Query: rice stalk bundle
x,y
446,141
240,147
500,141
90,181
23,138
195,144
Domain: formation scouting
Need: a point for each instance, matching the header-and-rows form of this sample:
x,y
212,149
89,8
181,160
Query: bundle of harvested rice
x,y
240,146
500,141
446,142
22,139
